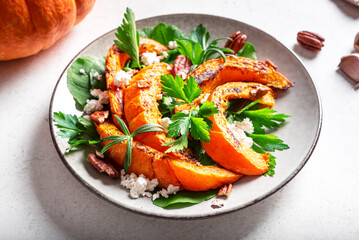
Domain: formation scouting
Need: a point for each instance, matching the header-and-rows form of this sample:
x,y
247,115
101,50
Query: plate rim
x,y
215,214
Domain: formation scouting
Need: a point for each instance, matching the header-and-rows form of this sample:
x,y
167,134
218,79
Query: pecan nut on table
x,y
311,41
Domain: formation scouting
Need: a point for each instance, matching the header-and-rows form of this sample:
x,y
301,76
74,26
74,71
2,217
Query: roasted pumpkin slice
x,y
145,160
215,72
116,59
195,177
223,147
141,107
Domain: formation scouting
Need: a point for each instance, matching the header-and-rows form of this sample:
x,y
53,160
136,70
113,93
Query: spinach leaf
x,y
184,199
248,51
162,33
84,74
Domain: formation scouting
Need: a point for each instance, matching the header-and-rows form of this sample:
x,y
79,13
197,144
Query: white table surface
x,y
40,199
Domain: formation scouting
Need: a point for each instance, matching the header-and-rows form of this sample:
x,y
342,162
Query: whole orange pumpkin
x,y
29,26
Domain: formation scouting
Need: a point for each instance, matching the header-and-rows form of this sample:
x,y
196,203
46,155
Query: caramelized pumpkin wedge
x,y
215,72
116,59
145,160
195,177
223,147
155,164
141,107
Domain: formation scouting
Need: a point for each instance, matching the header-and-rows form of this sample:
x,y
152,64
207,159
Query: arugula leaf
x,y
128,38
268,142
248,51
129,138
184,199
202,156
81,78
162,33
78,130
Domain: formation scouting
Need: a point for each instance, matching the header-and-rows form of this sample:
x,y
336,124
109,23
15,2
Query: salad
x,y
177,118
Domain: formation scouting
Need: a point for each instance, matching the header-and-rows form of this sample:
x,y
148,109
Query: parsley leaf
x,y
180,125
265,117
174,87
268,142
196,121
271,164
207,109
167,105
177,145
200,129
77,129
128,38
191,89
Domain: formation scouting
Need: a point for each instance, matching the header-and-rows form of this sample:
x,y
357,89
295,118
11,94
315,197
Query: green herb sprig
x,y
199,49
262,119
129,138
196,121
78,129
128,38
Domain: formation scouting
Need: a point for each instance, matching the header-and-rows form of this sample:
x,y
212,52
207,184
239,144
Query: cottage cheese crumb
x,y
121,78
82,71
246,125
172,45
139,186
239,133
204,99
165,122
166,192
103,96
149,58
92,105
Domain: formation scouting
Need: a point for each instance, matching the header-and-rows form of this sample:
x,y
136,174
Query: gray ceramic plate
x,y
301,132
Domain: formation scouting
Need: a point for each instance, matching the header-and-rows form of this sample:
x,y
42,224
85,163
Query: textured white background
x,y
40,199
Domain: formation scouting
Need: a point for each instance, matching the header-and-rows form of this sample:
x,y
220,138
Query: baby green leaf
x,y
248,51
184,199
128,37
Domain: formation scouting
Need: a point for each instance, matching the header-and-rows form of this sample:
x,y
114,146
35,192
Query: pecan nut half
x,y
237,43
311,41
102,165
225,190
181,66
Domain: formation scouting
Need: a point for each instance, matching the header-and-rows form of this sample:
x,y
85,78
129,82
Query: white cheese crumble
x,y
121,78
165,122
142,186
166,192
204,99
185,111
138,185
239,128
94,105
103,96
95,75
246,125
149,58
172,45
82,71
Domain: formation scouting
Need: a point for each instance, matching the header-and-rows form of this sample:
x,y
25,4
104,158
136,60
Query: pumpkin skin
x,y
29,26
